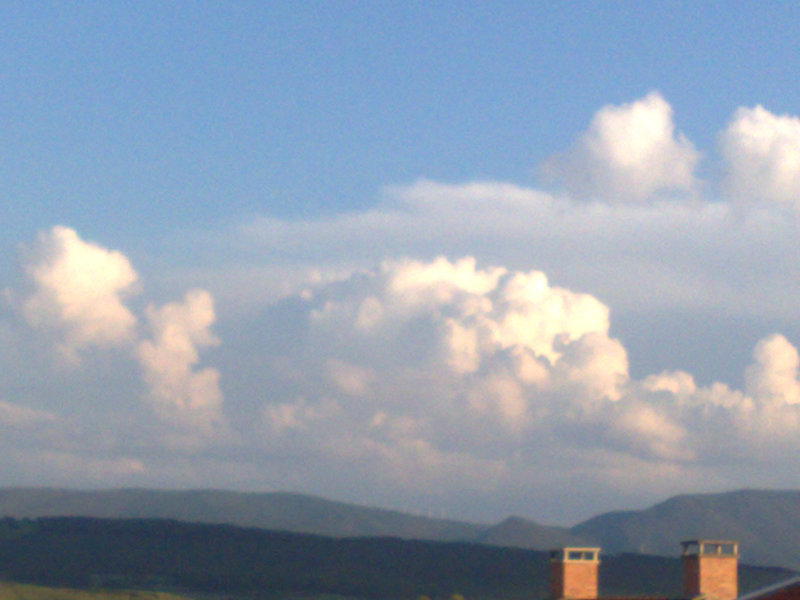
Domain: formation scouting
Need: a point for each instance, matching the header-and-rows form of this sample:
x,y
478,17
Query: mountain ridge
x,y
289,511
765,522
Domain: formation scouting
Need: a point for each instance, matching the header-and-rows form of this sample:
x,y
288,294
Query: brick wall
x,y
573,580
711,576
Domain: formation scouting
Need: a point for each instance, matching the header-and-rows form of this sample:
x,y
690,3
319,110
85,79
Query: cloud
x,y
15,415
447,356
432,366
280,417
78,291
456,340
694,253
653,258
179,393
348,378
470,313
593,366
762,151
773,375
630,153
643,429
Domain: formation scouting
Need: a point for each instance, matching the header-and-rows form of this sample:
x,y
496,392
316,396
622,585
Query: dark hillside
x,y
766,523
221,559
217,558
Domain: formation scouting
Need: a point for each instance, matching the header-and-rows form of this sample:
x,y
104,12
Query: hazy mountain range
x,y
766,523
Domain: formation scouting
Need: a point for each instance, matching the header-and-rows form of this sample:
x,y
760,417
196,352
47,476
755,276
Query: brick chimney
x,y
573,573
709,569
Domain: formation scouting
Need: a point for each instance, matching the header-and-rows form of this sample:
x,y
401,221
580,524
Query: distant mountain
x,y
275,511
766,524
521,533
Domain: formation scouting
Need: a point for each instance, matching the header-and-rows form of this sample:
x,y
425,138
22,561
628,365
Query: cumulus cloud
x,y
630,153
430,373
762,151
773,375
694,253
78,291
437,365
645,429
283,416
593,366
180,393
693,256
450,354
471,313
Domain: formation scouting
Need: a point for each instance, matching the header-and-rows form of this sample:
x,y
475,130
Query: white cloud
x,y
78,291
630,153
299,414
593,366
762,151
657,258
679,383
460,360
471,313
464,364
179,393
772,377
383,375
645,430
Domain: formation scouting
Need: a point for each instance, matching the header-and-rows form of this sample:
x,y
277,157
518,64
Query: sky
x,y
467,259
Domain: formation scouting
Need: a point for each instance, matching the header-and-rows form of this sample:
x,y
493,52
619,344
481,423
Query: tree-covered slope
x,y
766,523
204,559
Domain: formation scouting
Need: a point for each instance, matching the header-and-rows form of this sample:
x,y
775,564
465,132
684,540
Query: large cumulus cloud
x,y
435,367
482,373
467,341
469,363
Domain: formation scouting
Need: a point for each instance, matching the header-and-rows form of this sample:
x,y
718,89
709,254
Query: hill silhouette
x,y
234,562
766,523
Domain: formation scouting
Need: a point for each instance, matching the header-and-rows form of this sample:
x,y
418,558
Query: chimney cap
x,y
575,554
710,547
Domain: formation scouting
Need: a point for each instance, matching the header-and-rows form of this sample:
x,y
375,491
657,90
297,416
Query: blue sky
x,y
447,257
197,112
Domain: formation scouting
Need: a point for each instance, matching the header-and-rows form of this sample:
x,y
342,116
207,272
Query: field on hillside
x,y
23,591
